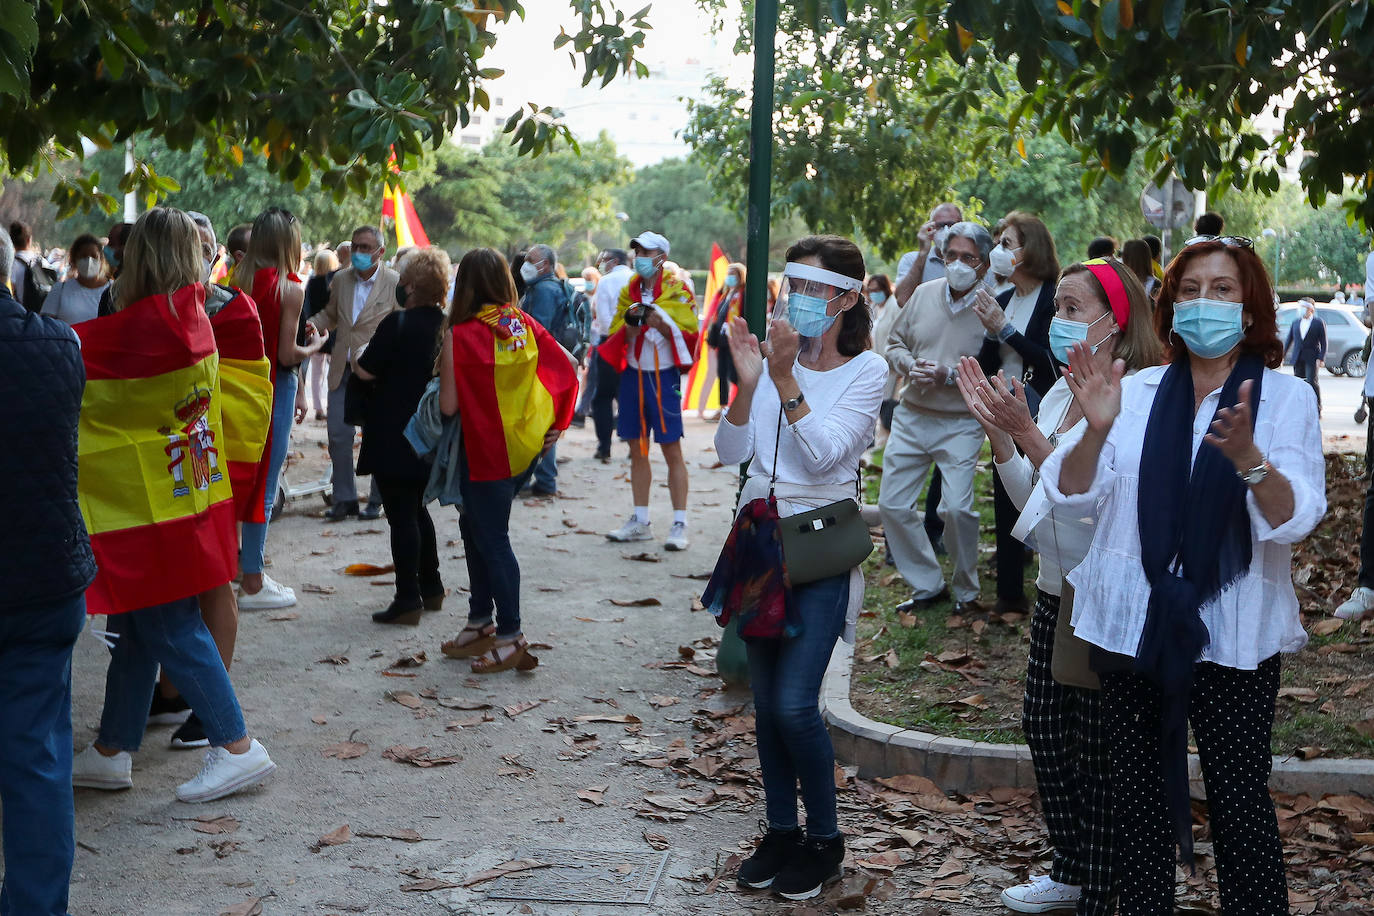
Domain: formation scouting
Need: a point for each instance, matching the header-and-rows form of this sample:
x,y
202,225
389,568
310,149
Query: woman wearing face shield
x,y
1200,475
1102,304
804,411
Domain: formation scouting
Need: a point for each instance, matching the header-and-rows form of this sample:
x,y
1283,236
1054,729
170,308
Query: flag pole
x,y
760,165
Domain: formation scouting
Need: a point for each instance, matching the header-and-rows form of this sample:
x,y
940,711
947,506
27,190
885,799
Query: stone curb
x,y
959,765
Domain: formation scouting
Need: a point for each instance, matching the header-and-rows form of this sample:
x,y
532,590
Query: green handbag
x,y
821,542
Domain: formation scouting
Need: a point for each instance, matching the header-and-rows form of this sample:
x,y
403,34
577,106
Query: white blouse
x,y
1256,616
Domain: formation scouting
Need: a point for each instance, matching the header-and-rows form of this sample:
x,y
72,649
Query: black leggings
x,y
413,546
725,372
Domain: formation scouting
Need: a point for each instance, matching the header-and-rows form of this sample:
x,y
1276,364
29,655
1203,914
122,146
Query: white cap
x,y
651,241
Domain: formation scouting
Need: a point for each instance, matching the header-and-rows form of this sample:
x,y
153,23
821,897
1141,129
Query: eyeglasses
x,y
1230,241
969,260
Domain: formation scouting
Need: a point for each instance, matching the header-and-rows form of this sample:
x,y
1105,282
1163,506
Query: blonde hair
x,y
1138,345
325,261
275,242
427,270
161,255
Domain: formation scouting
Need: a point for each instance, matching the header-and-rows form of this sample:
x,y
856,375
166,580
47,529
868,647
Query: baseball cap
x,y
651,240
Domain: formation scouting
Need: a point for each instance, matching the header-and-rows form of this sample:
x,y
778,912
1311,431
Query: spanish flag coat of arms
x,y
153,487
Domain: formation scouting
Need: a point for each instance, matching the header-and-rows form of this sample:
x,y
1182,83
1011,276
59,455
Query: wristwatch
x,y
794,403
1256,473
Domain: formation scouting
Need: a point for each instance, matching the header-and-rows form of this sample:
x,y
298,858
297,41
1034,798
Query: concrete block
x,y
867,729
992,765
907,753
843,743
1323,776
870,756
949,763
1025,768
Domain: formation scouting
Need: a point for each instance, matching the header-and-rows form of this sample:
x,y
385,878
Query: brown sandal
x,y
478,645
520,659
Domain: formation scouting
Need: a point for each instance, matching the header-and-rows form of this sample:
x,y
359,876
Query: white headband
x,y
821,275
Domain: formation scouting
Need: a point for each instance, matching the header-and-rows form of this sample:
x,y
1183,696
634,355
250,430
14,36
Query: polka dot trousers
x,y
1232,715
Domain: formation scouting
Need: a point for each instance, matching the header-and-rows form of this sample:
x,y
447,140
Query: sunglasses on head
x,y
1230,241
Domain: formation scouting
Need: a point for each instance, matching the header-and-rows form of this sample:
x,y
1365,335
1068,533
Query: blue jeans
x,y
785,675
493,571
546,470
584,401
174,636
283,416
36,766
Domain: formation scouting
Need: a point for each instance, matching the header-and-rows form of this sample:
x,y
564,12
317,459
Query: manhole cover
x,y
584,876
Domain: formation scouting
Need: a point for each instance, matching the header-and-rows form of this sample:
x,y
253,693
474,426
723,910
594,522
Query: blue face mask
x,y
878,298
361,262
1065,332
646,268
111,256
1209,327
808,315
731,281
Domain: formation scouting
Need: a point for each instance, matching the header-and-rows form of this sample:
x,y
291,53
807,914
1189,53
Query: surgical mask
x,y
528,272
1065,332
1003,260
88,268
401,295
1209,327
731,281
962,278
877,298
808,314
646,268
361,262
111,255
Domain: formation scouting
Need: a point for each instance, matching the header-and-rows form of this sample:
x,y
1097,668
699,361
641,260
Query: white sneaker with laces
x,y
271,597
224,773
93,770
677,537
1360,603
1042,894
632,530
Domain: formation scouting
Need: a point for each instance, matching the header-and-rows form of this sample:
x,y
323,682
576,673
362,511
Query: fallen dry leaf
x,y
405,698
429,884
518,708
215,824
289,615
333,660
593,794
1301,694
368,569
404,834
469,722
600,619
413,660
644,557
660,701
636,602
318,720
345,750
313,589
336,837
515,866
656,840
247,908
417,756
622,719
1326,626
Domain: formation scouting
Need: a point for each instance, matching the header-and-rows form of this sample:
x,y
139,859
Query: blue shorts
x,y
667,425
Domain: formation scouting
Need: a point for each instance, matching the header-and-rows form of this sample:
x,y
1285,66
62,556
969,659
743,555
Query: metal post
x,y
1278,253
760,165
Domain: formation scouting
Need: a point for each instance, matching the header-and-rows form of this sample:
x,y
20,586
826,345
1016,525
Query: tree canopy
x,y
1179,87
324,91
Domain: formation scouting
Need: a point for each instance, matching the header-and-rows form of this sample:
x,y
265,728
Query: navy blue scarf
x,y
1195,540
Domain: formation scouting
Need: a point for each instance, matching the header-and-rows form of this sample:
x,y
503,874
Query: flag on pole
x,y
245,377
153,490
515,383
396,204
701,380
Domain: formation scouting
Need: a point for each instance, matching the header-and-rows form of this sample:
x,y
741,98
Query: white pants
x,y
952,444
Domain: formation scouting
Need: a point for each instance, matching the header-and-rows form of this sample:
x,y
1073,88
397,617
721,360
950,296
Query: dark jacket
x,y
1309,349
546,301
316,298
45,555
401,355
1034,345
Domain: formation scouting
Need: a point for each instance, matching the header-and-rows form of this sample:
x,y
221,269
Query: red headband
x,y
1115,289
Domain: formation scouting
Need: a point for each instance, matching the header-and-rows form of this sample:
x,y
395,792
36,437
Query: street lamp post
x,y
1278,250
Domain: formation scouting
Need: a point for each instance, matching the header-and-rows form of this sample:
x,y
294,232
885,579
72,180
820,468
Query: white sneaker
x,y
272,596
632,530
93,770
224,773
1042,894
1360,602
677,537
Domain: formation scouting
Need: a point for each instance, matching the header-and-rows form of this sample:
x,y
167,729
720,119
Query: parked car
x,y
1345,335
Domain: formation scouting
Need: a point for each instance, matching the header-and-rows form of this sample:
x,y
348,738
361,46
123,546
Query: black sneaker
x,y
190,735
815,864
775,849
164,711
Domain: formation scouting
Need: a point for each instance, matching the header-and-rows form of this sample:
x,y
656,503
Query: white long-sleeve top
x,y
823,448
1256,616
1060,536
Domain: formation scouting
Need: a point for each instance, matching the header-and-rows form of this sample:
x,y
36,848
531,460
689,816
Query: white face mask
x,y
88,268
1003,260
528,272
962,278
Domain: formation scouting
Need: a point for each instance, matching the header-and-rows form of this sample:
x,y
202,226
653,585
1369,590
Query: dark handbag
x,y
822,542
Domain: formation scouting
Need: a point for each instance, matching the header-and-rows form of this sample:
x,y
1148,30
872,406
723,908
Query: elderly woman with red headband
x,y
1100,304
1200,474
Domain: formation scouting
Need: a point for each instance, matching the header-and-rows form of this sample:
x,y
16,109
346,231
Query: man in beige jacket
x,y
363,293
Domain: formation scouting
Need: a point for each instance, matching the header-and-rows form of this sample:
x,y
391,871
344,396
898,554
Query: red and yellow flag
x,y
515,383
676,300
397,205
245,377
701,389
152,489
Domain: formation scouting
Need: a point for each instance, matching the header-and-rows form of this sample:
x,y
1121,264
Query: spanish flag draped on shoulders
x,y
515,383
674,301
246,383
153,489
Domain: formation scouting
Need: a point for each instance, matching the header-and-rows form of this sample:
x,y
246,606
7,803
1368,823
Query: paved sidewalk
x,y
519,777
